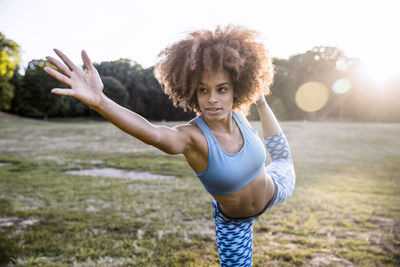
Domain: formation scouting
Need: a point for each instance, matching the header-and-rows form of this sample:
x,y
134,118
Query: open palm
x,y
84,86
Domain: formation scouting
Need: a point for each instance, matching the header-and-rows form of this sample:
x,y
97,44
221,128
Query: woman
x,y
217,74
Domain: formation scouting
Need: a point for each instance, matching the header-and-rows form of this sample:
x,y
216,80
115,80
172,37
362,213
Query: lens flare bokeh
x,y
312,96
341,86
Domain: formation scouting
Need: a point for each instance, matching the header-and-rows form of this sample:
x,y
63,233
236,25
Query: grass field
x,y
345,210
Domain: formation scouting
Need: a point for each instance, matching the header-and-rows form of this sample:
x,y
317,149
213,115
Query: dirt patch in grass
x,y
328,260
120,173
105,262
11,221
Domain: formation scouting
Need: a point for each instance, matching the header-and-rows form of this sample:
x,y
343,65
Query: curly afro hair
x,y
234,48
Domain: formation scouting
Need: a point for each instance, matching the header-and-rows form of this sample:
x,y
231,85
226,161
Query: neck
x,y
225,124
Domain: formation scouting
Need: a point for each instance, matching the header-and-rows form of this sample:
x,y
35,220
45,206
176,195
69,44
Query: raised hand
x,y
84,86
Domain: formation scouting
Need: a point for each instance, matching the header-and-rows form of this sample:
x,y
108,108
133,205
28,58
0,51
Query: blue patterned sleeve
x,y
281,168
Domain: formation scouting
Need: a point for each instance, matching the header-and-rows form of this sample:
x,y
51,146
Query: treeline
x,y
135,88
125,82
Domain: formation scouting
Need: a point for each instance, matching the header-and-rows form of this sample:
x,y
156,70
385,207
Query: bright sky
x,y
139,30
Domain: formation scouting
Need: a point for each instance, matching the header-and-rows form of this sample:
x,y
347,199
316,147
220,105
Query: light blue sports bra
x,y
227,173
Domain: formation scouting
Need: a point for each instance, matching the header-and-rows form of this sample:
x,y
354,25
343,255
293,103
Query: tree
x,y
34,99
129,74
9,60
115,90
144,93
320,64
162,107
284,89
124,70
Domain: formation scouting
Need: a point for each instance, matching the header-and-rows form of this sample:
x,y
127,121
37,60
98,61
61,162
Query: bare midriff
x,y
250,200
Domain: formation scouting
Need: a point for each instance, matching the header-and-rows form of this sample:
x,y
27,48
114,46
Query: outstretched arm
x,y
269,123
88,88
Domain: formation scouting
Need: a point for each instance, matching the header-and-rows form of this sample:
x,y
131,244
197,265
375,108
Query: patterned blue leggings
x,y
235,236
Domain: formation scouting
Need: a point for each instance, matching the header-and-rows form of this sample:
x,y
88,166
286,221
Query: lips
x,y
213,110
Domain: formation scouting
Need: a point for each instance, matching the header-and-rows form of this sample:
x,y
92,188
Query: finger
x,y
66,60
59,91
87,61
59,66
62,78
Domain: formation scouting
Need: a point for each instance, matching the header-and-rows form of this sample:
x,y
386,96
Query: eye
x,y
202,90
222,89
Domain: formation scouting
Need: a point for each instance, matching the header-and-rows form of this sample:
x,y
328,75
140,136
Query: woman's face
x,y
215,95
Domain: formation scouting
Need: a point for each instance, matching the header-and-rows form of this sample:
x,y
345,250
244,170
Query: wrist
x,y
100,103
261,100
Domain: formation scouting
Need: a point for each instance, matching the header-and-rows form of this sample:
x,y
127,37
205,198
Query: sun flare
x,y
380,70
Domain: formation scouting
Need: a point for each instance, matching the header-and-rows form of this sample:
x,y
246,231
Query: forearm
x,y
269,123
127,120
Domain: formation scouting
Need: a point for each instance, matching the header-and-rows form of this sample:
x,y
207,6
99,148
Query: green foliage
x,y
115,90
126,71
144,94
9,57
34,98
6,95
9,60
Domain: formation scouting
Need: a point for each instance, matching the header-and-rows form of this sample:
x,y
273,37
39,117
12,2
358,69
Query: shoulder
x,y
196,148
189,128
193,132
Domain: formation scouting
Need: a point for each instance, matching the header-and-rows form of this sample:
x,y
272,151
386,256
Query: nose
x,y
213,97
